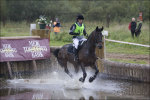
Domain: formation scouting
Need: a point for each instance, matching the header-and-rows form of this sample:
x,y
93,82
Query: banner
x,y
24,49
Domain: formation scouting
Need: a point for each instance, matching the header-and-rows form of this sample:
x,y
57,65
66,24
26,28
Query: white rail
x,y
127,43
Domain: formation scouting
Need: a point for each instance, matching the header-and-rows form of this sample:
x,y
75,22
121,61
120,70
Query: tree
x,y
3,11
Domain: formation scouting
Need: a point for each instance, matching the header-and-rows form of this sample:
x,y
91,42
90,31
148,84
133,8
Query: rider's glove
x,y
86,35
72,33
77,33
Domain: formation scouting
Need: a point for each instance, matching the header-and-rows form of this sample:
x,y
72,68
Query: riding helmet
x,y
80,17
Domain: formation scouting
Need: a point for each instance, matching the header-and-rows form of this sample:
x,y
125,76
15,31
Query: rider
x,y
78,31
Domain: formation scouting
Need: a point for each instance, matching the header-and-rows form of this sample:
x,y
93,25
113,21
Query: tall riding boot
x,y
76,54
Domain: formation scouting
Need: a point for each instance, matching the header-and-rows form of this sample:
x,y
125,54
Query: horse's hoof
x,y
91,79
81,79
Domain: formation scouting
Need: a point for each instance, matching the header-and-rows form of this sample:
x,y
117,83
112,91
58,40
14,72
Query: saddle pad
x,y
70,49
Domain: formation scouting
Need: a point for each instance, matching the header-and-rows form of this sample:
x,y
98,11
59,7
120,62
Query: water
x,y
58,85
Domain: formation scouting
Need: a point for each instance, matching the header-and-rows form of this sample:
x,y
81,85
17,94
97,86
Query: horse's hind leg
x,y
93,77
67,71
66,68
63,63
76,67
82,79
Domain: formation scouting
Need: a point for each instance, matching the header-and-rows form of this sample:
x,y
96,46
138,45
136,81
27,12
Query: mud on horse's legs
x,y
82,79
93,77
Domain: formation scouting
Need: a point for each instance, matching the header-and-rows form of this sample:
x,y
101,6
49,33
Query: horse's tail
x,y
56,52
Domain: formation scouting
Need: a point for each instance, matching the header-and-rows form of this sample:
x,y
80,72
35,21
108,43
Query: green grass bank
x,y
117,31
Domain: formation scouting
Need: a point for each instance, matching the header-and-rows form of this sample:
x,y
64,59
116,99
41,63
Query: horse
x,y
86,54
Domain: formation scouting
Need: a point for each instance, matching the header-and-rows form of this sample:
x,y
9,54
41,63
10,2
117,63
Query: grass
x,y
121,32
129,61
116,32
58,43
126,48
15,29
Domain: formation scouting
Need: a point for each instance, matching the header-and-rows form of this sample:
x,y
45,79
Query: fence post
x,y
34,65
101,53
9,69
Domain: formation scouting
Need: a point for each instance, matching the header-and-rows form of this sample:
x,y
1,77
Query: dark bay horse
x,y
86,54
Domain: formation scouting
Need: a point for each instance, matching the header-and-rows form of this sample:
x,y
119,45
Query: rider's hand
x,y
87,35
77,33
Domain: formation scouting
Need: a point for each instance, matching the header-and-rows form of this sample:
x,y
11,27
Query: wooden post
x,y
34,65
9,91
100,55
9,69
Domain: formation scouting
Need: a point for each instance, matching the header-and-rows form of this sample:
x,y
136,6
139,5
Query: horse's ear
x,y
97,28
102,28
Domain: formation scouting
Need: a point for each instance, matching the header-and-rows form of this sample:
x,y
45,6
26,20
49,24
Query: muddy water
x,y
57,85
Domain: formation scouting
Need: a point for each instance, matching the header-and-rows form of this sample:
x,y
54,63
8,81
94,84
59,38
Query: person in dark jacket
x,y
133,27
78,31
138,28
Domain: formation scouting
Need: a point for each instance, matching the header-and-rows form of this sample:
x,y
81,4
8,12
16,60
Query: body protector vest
x,y
79,29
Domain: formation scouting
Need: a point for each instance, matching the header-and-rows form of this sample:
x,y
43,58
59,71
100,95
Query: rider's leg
x,y
83,39
75,49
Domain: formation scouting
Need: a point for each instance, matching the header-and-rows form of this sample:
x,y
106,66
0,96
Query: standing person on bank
x,y
133,27
56,26
138,28
78,31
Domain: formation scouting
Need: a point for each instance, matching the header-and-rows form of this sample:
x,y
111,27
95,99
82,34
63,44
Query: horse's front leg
x,y
82,79
96,72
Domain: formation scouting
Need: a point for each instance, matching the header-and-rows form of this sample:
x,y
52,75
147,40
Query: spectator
x,y
138,28
56,26
132,27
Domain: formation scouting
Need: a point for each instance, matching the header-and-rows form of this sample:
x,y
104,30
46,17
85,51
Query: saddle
x,y
71,47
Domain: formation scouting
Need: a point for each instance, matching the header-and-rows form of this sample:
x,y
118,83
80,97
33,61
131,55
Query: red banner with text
x,y
24,49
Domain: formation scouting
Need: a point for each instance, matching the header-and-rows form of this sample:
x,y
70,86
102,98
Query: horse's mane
x,y
91,35
89,38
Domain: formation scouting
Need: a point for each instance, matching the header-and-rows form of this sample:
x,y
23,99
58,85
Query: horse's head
x,y
98,37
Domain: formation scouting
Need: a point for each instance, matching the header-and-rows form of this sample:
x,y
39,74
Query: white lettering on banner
x,y
8,50
35,49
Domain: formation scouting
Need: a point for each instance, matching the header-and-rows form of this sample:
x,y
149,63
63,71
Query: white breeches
x,y
76,42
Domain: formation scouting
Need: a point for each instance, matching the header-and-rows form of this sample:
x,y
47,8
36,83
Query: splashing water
x,y
59,79
56,84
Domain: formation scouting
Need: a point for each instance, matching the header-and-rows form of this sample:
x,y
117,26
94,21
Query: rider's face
x,y
80,21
